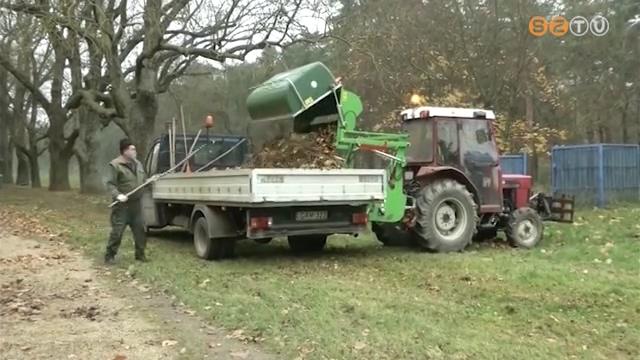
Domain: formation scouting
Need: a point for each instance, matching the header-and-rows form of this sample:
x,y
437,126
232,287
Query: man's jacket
x,y
125,176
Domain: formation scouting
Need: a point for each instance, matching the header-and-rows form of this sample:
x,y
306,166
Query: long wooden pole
x,y
195,141
184,130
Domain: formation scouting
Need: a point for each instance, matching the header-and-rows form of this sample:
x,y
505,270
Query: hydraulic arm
x,y
392,147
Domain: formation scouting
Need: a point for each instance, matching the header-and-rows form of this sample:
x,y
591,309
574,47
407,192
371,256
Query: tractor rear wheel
x,y
390,234
525,228
446,217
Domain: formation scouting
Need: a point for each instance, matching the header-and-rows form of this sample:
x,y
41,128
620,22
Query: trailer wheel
x,y
206,247
525,228
303,244
390,235
446,217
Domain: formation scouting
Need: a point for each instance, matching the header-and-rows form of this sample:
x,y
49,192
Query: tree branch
x,y
70,141
25,81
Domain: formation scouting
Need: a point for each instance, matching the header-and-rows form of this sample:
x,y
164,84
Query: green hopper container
x,y
303,95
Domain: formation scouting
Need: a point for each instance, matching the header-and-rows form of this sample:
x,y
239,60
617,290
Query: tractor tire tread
x,y
517,216
425,234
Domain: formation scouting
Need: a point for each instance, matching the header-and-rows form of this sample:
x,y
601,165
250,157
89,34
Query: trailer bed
x,y
255,187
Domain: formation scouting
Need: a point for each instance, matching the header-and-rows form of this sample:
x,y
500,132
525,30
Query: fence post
x,y
601,196
638,167
553,169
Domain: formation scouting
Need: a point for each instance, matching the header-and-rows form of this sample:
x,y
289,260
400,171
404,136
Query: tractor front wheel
x,y
446,216
525,228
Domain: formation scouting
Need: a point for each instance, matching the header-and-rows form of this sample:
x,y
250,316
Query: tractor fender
x,y
219,222
428,174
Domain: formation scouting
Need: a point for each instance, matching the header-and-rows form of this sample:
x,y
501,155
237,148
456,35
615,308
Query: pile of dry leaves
x,y
314,150
19,223
16,298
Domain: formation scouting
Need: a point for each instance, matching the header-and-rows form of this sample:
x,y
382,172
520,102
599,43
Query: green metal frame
x,y
391,146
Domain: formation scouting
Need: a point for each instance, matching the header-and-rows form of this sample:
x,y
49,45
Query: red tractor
x,y
457,188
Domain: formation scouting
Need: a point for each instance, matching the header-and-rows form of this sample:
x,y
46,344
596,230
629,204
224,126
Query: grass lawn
x,y
575,296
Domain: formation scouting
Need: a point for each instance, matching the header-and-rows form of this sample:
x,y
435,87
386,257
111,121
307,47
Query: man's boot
x,y
109,260
141,258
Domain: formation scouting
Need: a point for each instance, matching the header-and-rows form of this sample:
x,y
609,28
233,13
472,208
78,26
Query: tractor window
x,y
477,145
420,141
448,151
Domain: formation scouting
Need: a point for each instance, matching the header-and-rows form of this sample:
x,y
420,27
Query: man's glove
x,y
122,198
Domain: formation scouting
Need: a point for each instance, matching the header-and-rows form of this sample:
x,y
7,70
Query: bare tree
x,y
122,53
57,105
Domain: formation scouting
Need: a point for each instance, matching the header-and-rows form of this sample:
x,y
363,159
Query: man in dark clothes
x,y
125,174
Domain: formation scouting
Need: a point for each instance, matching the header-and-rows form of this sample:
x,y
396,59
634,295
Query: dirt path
x,y
55,304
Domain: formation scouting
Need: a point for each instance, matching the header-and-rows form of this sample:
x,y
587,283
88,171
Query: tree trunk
x,y
530,122
34,166
623,122
22,177
58,170
19,141
59,154
34,153
142,120
6,150
6,158
90,178
87,153
145,106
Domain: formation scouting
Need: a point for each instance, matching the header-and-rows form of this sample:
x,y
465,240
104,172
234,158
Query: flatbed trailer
x,y
221,206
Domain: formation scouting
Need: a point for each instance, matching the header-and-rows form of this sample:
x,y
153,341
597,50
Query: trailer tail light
x,y
359,218
260,223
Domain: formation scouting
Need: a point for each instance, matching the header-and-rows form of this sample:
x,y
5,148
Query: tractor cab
x,y
457,143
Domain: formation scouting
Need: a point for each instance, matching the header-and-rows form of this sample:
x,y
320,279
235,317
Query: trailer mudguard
x,y
220,222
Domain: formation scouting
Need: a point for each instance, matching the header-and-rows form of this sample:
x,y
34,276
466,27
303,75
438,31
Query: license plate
x,y
311,215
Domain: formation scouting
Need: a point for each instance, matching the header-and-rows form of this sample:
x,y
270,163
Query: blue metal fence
x,y
514,164
597,174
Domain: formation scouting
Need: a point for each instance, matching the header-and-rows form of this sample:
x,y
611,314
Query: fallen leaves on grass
x,y
169,343
90,312
31,262
606,248
359,345
204,283
19,223
240,354
17,298
241,336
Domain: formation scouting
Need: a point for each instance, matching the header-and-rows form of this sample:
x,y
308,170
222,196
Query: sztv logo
x,y
559,26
